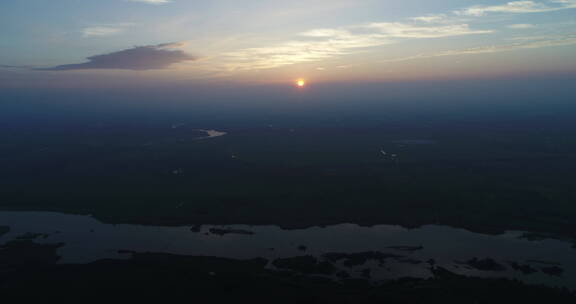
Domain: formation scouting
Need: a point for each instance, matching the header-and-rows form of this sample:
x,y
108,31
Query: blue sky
x,y
276,41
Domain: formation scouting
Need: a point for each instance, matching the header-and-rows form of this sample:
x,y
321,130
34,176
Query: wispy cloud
x,y
104,30
534,44
139,58
318,44
6,66
156,2
403,30
518,7
440,18
531,38
521,26
298,51
326,43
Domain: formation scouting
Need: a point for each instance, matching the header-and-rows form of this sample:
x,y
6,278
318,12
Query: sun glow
x,y
301,83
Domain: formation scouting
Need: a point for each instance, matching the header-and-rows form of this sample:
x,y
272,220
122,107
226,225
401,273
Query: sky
x,y
59,43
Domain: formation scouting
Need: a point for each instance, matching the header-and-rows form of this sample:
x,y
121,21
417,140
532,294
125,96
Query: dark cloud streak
x,y
4,66
140,58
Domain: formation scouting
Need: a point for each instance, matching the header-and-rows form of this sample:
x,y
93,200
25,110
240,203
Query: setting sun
x,y
301,83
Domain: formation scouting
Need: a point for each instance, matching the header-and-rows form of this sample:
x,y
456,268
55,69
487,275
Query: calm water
x,y
87,240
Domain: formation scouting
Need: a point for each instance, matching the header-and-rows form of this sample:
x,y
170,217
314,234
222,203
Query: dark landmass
x,y
533,236
32,236
317,176
224,231
305,265
366,273
19,253
196,228
544,262
491,265
487,264
357,259
407,248
523,268
343,274
218,279
553,271
539,236
410,261
4,230
490,171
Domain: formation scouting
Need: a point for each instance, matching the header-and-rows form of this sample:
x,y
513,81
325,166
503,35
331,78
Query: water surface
x,y
410,251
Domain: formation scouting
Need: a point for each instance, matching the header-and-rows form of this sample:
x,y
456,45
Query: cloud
x,y
542,43
522,26
518,7
98,31
402,30
5,66
293,52
431,18
528,38
156,2
319,44
105,30
138,58
325,43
